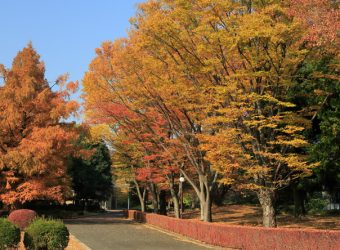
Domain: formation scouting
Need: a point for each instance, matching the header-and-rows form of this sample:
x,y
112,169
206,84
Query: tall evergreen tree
x,y
91,176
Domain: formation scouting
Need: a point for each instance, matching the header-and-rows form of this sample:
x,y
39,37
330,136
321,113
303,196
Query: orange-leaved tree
x,y
34,139
227,68
218,73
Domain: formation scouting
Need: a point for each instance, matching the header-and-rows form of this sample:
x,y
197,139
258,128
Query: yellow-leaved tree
x,y
217,73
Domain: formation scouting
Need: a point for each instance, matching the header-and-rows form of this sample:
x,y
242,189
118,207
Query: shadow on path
x,y
111,217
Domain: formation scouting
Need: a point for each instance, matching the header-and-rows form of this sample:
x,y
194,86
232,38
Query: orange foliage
x,y
34,142
201,85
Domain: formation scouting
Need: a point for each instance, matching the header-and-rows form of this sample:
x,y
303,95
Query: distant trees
x,y
91,175
34,140
223,93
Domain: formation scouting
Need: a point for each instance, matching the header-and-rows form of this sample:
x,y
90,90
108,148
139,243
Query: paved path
x,y
112,231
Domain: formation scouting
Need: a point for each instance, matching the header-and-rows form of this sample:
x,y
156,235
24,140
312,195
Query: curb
x,y
84,247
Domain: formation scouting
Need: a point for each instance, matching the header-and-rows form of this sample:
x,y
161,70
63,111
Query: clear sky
x,y
64,32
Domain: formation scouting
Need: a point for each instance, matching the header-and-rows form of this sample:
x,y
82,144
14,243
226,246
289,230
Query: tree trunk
x,y
299,198
203,194
208,204
162,203
141,196
193,204
207,216
201,197
297,211
202,209
174,198
205,199
303,209
144,199
267,201
154,197
176,206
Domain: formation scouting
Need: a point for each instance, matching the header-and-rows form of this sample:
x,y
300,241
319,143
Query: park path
x,y
111,231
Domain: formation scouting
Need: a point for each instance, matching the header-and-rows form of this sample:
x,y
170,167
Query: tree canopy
x,y
34,140
91,176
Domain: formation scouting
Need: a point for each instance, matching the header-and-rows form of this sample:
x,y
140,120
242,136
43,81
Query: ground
x,y
251,215
112,231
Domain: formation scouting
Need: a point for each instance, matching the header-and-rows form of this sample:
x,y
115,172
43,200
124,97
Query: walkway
x,y
112,231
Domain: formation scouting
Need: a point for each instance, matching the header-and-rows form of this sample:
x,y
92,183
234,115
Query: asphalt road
x,y
112,231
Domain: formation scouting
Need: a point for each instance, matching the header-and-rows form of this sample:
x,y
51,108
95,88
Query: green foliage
x,y
317,91
46,234
317,204
92,178
187,200
326,150
9,234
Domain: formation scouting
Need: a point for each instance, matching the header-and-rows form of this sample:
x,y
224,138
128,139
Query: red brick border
x,y
244,237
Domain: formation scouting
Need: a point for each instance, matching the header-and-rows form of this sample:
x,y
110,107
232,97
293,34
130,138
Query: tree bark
x,y
154,197
141,196
267,201
144,200
204,195
176,205
207,215
205,199
174,197
162,202
193,202
299,206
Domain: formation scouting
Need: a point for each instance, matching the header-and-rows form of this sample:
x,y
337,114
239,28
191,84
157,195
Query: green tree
x,y
91,176
325,135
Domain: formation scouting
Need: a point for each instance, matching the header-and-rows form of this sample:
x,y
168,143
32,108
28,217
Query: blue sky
x,y
64,32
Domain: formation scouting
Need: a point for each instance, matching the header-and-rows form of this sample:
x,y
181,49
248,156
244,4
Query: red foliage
x,y
320,18
243,237
22,217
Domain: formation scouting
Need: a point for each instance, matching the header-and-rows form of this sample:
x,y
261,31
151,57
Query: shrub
x,y
22,217
46,234
317,205
9,234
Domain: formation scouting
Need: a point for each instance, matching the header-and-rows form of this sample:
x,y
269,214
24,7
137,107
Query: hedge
x,y
44,234
243,237
9,234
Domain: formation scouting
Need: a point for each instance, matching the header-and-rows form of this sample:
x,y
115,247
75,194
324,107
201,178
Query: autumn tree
x,y
217,73
134,107
258,114
126,162
34,139
236,71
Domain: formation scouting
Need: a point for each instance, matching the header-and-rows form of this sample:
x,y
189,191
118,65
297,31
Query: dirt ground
x,y
251,215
